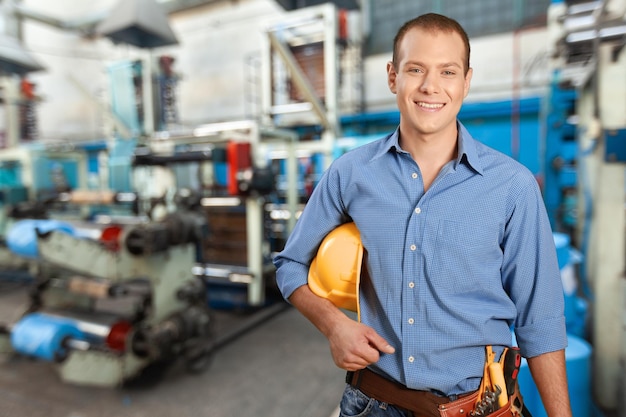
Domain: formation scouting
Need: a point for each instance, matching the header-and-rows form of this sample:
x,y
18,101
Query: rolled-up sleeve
x,y
322,213
531,273
290,275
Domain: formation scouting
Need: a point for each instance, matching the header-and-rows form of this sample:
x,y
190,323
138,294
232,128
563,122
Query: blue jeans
x,y
356,404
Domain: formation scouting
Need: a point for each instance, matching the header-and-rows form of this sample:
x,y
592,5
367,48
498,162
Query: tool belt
x,y
491,399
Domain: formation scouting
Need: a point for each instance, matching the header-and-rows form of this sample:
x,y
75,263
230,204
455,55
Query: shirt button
x,y
413,247
411,359
418,210
411,284
411,321
414,175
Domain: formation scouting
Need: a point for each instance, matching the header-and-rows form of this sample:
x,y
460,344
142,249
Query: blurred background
x,y
155,155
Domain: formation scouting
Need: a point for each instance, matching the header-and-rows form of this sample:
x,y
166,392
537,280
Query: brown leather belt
x,y
420,403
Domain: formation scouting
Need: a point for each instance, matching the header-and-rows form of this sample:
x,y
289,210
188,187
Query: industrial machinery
x,y
117,290
224,171
108,303
587,40
29,168
33,176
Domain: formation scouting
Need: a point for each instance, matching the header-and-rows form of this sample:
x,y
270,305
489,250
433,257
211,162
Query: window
x,y
478,17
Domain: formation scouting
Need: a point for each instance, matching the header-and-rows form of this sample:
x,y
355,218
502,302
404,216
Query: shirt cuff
x,y
543,337
291,276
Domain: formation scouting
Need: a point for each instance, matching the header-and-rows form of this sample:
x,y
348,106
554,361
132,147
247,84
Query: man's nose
x,y
429,83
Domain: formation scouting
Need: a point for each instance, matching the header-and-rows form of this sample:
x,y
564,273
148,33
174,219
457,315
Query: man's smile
x,y
429,106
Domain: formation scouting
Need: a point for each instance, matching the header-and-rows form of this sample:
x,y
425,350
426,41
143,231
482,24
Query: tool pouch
x,y
499,379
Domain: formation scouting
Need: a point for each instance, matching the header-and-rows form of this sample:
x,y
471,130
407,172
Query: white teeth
x,y
430,105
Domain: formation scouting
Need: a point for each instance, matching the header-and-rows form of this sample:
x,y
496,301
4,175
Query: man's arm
x,y
353,345
548,371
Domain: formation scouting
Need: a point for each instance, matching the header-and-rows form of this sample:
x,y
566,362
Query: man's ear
x,y
391,77
468,81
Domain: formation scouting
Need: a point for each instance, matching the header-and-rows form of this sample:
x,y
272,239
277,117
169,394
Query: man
x,y
458,246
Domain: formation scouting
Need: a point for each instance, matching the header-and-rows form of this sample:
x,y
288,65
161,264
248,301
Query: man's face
x,y
430,82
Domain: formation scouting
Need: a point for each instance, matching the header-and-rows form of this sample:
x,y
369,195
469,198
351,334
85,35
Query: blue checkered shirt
x,y
449,270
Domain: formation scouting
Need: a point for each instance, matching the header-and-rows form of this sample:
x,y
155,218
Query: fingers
x,y
354,364
356,346
380,344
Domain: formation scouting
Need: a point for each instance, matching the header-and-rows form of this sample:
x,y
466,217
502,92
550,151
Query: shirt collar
x,y
467,147
390,144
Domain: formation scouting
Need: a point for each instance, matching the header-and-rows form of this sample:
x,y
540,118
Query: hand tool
x,y
497,383
512,360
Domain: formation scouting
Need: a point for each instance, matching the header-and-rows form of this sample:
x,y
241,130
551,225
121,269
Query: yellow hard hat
x,y
335,271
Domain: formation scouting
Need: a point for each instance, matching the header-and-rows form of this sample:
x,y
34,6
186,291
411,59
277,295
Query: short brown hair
x,y
432,22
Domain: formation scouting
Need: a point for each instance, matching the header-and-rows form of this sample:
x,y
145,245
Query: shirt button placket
x,y
411,284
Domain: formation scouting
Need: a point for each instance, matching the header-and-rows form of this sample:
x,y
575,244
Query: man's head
x,y
430,76
432,22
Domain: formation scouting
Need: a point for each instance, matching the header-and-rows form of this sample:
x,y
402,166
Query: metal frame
x,y
262,140
320,22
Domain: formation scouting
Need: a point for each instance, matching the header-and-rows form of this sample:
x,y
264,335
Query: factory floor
x,y
279,366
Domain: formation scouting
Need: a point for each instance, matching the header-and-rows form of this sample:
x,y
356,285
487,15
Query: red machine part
x,y
239,158
110,237
116,339
343,24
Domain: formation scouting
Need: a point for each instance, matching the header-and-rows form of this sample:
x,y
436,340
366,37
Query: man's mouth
x,y
430,106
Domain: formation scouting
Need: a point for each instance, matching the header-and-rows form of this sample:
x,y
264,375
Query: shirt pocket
x,y
465,257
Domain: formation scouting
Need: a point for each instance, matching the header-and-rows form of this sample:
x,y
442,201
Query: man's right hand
x,y
353,345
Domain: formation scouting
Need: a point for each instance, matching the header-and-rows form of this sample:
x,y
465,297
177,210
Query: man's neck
x,y
430,152
430,148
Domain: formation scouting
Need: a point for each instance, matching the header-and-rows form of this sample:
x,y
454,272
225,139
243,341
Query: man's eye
x,y
415,70
449,73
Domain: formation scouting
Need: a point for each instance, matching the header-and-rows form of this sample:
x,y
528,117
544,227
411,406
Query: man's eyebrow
x,y
450,64
418,63
442,65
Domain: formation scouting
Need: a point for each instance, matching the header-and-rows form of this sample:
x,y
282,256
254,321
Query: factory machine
x,y
108,300
121,291
113,290
32,176
126,279
224,170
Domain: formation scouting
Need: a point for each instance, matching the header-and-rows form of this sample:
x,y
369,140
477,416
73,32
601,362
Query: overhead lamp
x,y
142,23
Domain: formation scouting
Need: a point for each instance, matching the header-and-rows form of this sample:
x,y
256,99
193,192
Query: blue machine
x,y
44,336
21,238
12,191
560,154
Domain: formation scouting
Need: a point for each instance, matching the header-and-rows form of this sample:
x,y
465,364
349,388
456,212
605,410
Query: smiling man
x,y
457,245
